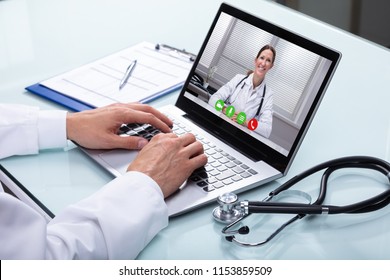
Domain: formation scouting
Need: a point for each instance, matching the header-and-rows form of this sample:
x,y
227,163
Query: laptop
x,y
239,156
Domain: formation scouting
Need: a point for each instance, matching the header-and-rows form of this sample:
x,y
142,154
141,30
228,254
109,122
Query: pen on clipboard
x,y
127,75
183,54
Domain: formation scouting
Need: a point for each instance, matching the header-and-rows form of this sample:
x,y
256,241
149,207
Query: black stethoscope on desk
x,y
231,211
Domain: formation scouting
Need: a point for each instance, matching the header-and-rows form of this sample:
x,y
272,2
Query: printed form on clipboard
x,y
159,69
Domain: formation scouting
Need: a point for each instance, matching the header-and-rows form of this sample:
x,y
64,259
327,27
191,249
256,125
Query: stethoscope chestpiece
x,y
226,212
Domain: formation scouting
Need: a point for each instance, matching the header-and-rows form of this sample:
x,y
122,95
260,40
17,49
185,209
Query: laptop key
x,y
221,168
236,178
202,184
252,171
203,175
218,185
238,169
148,136
223,160
227,181
225,174
211,180
123,129
131,133
230,164
244,166
195,178
208,189
245,175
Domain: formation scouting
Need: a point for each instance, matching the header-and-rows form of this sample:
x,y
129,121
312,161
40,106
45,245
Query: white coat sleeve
x,y
26,130
116,222
226,90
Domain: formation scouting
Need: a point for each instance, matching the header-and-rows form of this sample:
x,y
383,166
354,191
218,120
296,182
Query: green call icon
x,y
230,111
241,118
219,105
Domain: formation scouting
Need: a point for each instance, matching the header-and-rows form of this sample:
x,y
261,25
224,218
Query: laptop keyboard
x,y
221,170
134,129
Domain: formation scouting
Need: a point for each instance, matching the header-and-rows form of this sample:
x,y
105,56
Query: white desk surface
x,y
42,38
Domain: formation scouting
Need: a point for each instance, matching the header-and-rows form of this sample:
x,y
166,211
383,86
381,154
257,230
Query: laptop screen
x,y
256,86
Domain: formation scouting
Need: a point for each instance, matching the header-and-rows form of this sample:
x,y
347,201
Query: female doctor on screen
x,y
250,94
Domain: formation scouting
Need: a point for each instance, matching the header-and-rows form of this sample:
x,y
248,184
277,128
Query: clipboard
x,y
77,105
65,89
52,95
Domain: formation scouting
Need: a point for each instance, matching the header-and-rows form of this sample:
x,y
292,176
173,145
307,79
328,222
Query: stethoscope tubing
x,y
351,161
370,204
301,210
283,208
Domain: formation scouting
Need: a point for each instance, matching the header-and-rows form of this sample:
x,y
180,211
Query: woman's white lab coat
x,y
116,222
239,92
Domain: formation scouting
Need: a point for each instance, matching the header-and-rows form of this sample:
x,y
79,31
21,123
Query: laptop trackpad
x,y
119,159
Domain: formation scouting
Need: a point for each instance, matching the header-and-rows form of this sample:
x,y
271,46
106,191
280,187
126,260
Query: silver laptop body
x,y
239,158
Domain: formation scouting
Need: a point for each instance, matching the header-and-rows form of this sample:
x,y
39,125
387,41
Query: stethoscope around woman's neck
x,y
242,81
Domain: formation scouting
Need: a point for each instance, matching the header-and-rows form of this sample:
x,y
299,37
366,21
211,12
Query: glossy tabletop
x,y
43,38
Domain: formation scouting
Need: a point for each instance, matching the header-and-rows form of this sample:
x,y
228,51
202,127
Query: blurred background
x,y
369,19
